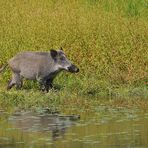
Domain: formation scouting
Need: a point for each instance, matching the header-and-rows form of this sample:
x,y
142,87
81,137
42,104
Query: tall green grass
x,y
108,40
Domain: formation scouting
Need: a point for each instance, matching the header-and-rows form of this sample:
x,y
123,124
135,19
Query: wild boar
x,y
40,66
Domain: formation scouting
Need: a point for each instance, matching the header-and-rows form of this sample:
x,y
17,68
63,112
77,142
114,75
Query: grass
x,y
106,39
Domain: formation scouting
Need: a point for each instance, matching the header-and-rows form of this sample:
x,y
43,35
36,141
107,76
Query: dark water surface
x,y
106,128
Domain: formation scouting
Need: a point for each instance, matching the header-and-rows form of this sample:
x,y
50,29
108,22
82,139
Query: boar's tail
x,y
3,68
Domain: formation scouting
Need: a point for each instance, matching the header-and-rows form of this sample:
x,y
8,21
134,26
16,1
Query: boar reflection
x,y
31,122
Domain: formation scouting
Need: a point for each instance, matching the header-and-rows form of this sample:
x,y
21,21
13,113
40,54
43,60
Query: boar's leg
x,y
10,84
16,80
45,84
48,84
42,83
19,84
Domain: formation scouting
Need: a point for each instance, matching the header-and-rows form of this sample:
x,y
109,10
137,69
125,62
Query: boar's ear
x,y
61,48
53,53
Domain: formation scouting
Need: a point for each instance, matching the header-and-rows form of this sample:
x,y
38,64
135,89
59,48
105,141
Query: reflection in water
x,y
40,123
112,128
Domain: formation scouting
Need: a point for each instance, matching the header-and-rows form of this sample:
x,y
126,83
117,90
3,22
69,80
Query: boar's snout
x,y
73,69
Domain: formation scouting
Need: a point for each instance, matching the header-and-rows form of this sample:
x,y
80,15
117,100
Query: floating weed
x,y
20,142
45,139
4,138
11,129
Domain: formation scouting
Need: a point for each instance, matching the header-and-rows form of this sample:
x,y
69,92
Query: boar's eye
x,y
62,58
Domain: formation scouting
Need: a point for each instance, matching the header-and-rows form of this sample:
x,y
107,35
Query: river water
x,y
105,128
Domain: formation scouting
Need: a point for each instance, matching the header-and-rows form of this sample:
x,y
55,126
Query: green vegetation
x,y
106,39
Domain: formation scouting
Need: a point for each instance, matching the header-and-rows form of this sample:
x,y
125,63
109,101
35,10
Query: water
x,y
107,127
